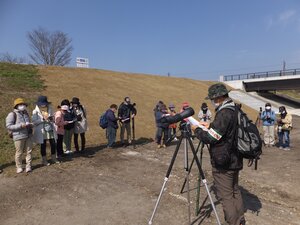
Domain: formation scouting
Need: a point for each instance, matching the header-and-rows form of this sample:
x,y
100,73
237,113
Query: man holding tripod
x,y
126,113
225,160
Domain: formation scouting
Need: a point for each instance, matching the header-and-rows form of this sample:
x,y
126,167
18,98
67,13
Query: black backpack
x,y
247,141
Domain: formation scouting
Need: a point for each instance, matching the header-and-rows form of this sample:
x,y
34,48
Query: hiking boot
x,y
44,161
19,170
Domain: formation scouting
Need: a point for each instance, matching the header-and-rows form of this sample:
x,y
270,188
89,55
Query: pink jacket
x,y
59,123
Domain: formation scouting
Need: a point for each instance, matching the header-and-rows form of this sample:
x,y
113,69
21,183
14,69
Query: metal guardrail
x,y
276,73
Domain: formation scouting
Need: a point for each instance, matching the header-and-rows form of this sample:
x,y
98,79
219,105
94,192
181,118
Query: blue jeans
x,y
111,136
284,138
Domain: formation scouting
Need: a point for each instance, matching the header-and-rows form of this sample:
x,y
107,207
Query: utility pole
x,y
283,68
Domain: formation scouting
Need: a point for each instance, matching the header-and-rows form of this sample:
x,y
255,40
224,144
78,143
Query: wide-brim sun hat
x,y
217,90
19,101
42,100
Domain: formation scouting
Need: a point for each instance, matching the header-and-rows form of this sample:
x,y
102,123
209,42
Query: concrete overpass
x,y
264,81
256,88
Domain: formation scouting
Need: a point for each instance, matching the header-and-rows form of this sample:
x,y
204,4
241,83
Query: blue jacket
x,y
158,116
268,118
111,119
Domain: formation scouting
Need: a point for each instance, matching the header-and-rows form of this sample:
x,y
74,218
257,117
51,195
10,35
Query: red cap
x,y
185,104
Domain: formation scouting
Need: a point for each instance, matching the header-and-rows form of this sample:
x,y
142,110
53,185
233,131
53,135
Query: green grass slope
x,y
15,81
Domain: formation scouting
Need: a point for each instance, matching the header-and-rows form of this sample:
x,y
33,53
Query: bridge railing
x,y
256,75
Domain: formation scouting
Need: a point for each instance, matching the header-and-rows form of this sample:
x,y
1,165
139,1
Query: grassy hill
x,y
97,90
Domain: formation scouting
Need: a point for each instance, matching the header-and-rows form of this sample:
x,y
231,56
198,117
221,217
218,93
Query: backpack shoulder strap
x,y
15,116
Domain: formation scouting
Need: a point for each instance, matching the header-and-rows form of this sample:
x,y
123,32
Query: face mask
x,y
43,108
215,105
21,107
268,108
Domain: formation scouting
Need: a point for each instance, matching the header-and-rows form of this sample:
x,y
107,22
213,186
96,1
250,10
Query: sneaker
x,y
286,149
44,161
54,159
28,169
19,170
164,146
158,146
281,147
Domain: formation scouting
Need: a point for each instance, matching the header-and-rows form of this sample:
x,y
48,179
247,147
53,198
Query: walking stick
x,y
133,133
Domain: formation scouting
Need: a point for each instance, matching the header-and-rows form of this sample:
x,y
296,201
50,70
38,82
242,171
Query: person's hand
x,y
205,124
132,116
194,127
29,125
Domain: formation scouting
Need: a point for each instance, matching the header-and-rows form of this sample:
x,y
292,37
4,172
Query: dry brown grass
x,y
98,89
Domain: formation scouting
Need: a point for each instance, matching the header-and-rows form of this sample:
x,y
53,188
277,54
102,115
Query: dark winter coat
x,y
111,119
220,136
69,116
158,116
124,112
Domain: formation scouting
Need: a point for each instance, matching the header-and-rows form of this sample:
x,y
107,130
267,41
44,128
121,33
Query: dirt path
x,y
120,186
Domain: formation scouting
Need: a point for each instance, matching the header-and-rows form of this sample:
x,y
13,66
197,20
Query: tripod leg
x,y
183,185
187,178
204,180
133,134
197,210
165,180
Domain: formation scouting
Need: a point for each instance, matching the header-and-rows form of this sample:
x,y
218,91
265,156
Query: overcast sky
x,y
187,38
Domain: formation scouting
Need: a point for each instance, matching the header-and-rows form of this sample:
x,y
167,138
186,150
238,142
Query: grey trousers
x,y
127,127
227,190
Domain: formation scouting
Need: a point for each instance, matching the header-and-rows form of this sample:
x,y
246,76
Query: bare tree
x,y
6,57
50,48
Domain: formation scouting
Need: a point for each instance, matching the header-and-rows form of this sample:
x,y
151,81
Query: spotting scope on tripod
x,y
186,138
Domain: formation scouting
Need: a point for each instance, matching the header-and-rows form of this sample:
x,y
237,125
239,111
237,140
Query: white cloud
x,y
282,19
287,16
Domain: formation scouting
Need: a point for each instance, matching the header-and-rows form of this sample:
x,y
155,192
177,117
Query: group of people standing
x,y
45,125
271,123
166,132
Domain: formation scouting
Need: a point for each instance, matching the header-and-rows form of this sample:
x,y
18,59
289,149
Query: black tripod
x,y
186,136
133,134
